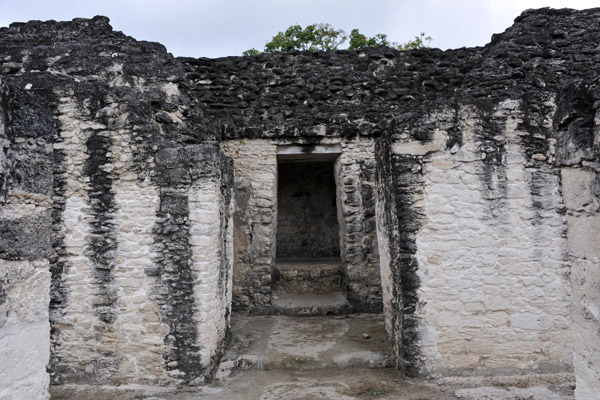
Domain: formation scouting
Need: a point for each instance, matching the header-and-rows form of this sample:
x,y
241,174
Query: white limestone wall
x,y
211,240
24,329
138,324
77,339
581,185
494,294
131,346
255,221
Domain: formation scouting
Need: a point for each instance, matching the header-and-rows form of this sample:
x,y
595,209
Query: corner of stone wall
x,y
255,208
398,215
577,125
141,238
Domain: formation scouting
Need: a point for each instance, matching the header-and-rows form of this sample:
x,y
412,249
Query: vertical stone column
x,y
210,204
193,267
255,222
356,191
399,213
138,321
387,241
84,291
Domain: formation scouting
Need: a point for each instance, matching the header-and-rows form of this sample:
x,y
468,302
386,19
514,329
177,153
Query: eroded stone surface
x,y
467,194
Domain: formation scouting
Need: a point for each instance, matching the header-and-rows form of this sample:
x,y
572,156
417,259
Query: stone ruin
x,y
145,198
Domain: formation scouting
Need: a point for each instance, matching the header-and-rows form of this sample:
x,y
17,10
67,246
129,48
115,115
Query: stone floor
x,y
288,342
325,357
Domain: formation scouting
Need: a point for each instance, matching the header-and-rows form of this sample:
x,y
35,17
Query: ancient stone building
x,y
144,197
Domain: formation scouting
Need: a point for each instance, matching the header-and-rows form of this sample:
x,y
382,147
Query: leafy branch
x,y
325,37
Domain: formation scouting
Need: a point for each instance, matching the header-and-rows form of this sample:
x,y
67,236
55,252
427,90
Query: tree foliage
x,y
325,37
359,41
419,42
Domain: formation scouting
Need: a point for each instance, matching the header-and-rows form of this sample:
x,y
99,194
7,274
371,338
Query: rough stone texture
x,y
581,192
307,275
25,198
502,223
478,168
105,126
399,213
307,224
355,183
254,221
24,329
255,164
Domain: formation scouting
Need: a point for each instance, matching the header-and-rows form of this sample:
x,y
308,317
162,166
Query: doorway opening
x,y
307,224
307,277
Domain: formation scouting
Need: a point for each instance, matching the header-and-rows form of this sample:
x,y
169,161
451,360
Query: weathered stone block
x,y
584,236
27,237
580,189
24,329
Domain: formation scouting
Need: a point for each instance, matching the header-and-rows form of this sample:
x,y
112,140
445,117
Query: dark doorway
x,y
307,222
307,278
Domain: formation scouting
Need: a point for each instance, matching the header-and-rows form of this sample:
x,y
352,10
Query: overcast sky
x,y
217,28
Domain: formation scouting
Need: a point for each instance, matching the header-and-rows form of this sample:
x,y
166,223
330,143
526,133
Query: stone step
x,y
294,342
334,303
307,275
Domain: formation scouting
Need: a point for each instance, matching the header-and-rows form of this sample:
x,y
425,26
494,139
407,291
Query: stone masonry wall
x,y
500,221
478,261
156,254
122,187
476,167
24,329
399,210
355,181
25,198
578,121
255,222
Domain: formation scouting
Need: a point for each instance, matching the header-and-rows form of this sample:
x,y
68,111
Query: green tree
x,y
325,37
359,41
419,42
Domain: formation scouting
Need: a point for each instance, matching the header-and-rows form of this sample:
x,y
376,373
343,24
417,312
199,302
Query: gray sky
x,y
217,28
